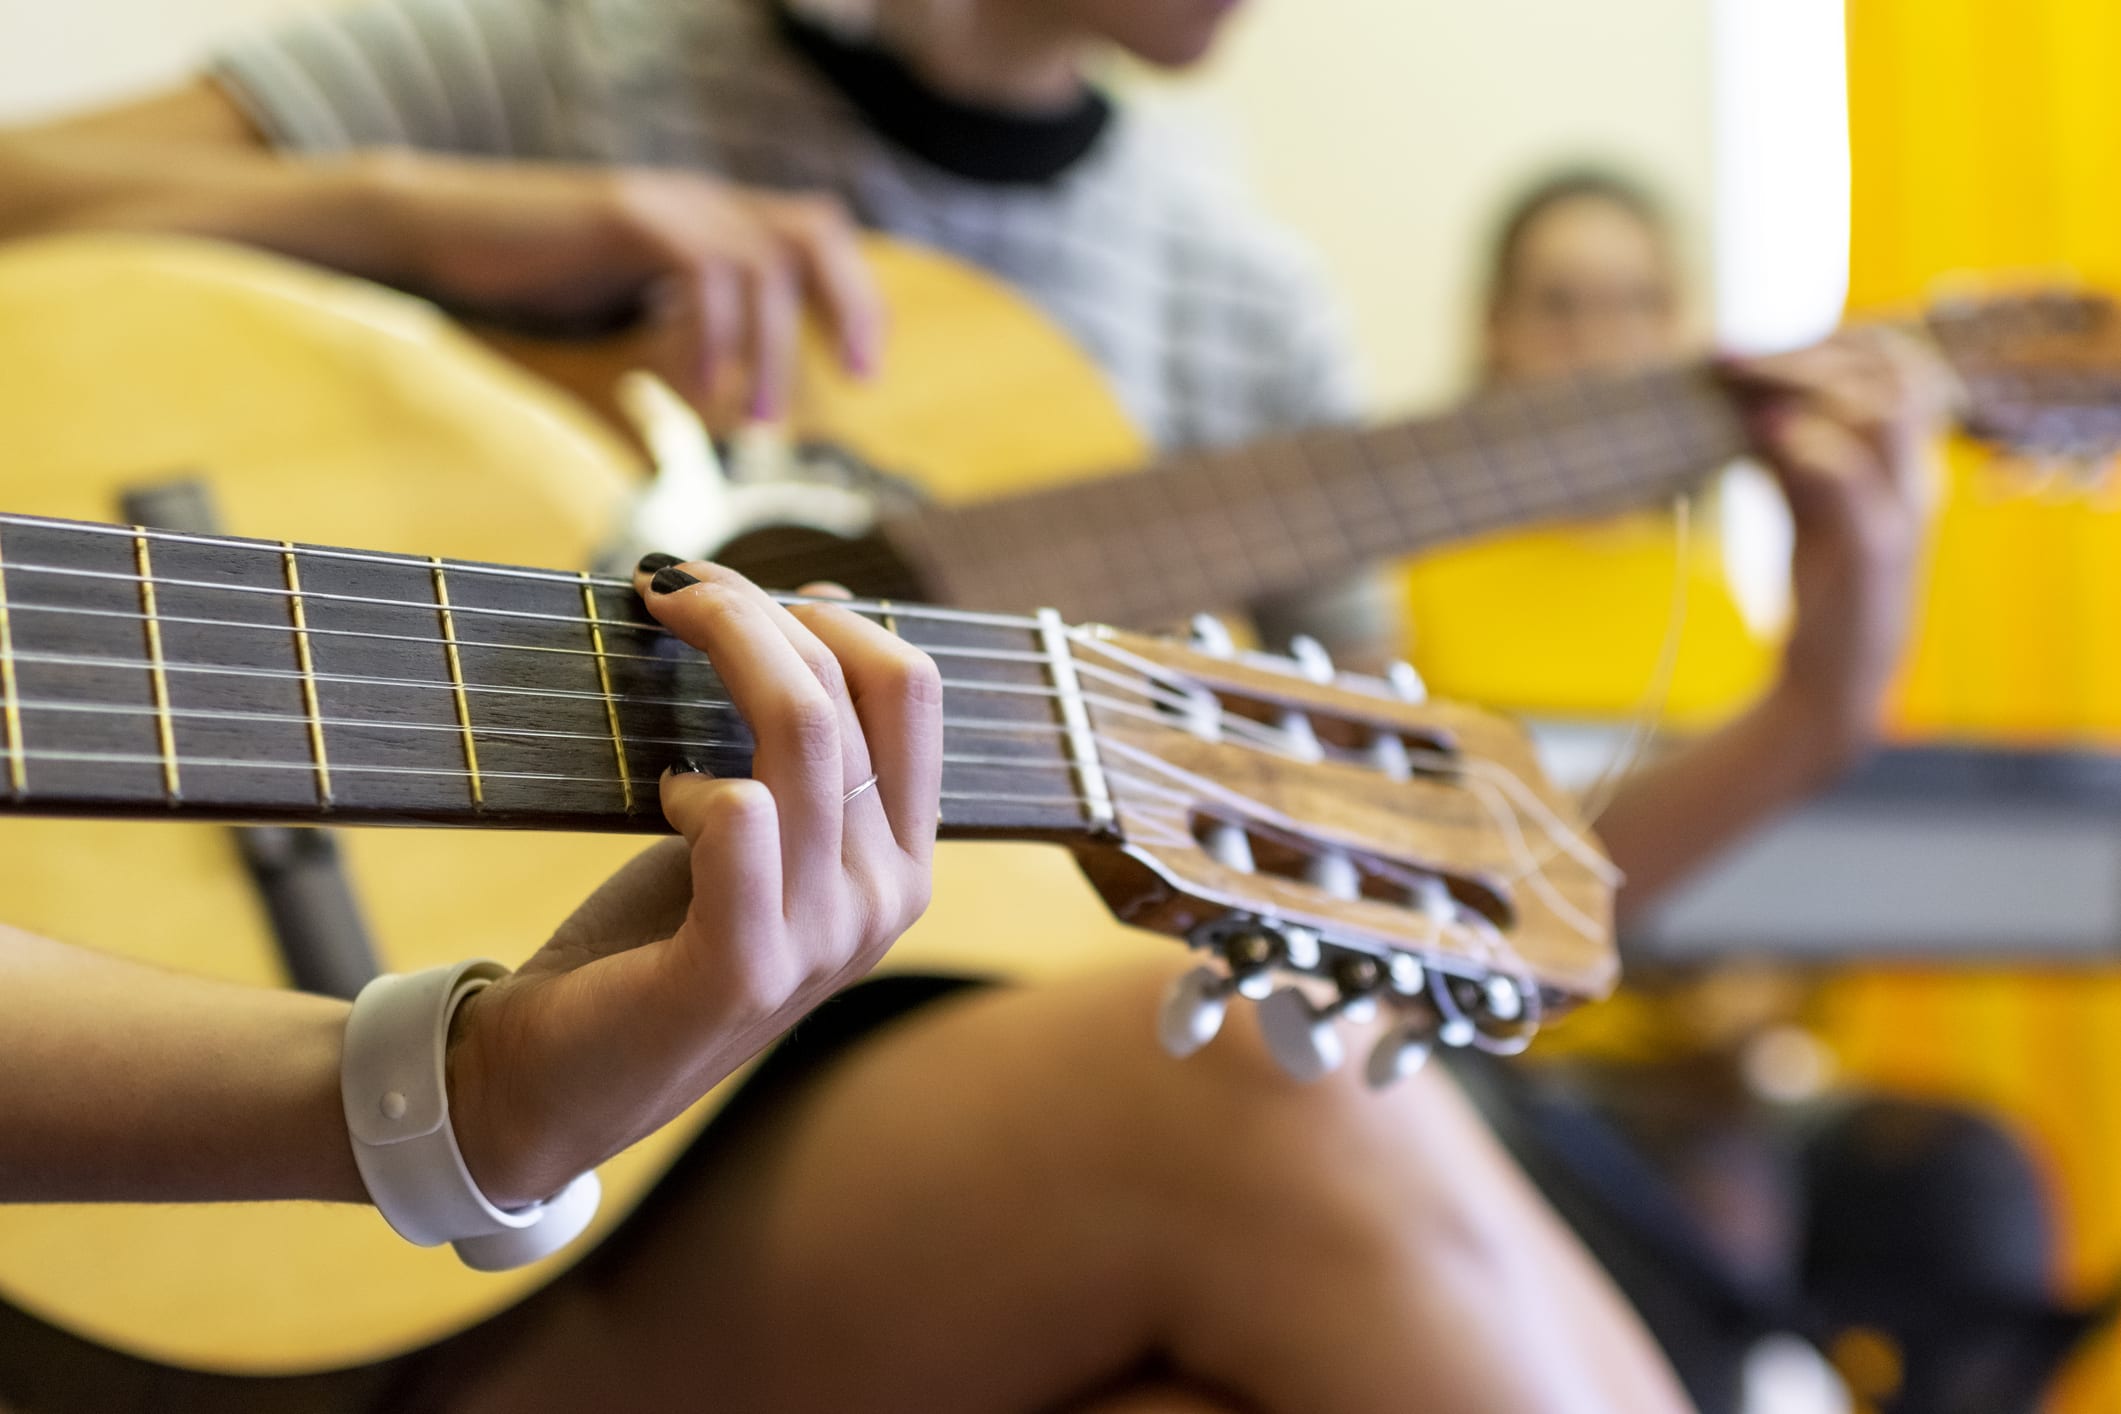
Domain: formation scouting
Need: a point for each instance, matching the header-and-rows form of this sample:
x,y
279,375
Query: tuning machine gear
x,y
1195,1004
1304,1037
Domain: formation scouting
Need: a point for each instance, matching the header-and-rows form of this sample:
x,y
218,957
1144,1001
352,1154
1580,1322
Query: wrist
x,y
500,1148
380,194
1824,729
396,1097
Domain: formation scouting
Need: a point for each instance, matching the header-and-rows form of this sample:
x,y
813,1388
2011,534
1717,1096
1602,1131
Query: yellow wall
x,y
1988,138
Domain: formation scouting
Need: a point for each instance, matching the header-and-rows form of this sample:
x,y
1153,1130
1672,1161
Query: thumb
x,y
731,829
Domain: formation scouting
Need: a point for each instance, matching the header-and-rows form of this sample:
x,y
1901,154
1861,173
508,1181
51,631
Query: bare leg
x,y
1012,1200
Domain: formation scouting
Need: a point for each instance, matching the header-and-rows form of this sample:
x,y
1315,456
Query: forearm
x,y
1675,815
339,212
120,1082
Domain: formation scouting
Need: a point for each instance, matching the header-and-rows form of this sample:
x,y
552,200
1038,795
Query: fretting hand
x,y
1848,427
704,949
725,273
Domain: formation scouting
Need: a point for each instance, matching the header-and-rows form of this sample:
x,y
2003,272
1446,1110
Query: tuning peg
x,y
1335,873
1455,1028
1432,896
1399,1053
1301,1036
1194,1005
1299,737
1311,658
1388,753
1406,682
1204,713
1229,846
1211,635
1193,1010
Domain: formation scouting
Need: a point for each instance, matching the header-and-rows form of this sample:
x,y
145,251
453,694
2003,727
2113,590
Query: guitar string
x,y
1147,670
1256,735
121,758
603,738
1657,691
1242,726
703,704
1005,655
299,721
1239,725
1493,950
423,566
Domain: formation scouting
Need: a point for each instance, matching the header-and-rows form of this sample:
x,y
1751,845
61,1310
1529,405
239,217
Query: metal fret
x,y
307,663
10,697
1075,719
158,674
611,704
456,683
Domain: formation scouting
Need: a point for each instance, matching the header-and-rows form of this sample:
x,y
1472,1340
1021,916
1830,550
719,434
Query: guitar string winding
x,y
1657,693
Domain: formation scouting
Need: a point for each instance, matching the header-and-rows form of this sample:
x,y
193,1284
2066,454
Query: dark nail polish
x,y
655,560
670,579
685,766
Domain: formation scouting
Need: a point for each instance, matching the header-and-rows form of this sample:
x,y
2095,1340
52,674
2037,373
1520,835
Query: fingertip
x,y
700,805
825,589
765,403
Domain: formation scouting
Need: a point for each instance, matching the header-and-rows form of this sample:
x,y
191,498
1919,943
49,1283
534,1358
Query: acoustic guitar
x,y
1283,818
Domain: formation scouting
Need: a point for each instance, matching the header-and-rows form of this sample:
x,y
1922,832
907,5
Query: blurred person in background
x,y
1912,1241
1120,1231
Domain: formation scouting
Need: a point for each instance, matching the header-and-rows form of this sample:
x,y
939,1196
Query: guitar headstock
x,y
2041,372
1338,845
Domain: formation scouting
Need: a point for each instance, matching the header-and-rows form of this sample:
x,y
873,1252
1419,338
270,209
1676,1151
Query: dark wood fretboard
x,y
1229,527
150,672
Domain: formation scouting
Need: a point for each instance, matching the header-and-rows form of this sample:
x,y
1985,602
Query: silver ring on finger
x,y
850,796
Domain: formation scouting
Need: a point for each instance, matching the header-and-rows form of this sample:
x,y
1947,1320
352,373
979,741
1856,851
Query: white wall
x,y
1389,131
1385,130
56,54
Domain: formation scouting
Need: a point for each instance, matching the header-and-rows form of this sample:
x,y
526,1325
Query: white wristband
x,y
393,1083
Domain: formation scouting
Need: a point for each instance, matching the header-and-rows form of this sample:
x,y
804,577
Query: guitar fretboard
x,y
148,671
1229,527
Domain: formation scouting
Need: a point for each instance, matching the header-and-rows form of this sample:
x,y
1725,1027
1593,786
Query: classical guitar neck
x,y
1229,527
156,673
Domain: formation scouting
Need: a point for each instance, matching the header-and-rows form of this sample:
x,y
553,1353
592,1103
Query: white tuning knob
x,y
1388,753
1398,1054
1332,871
1211,635
1298,737
1406,682
1301,1038
1505,1001
1229,846
1312,659
1192,1011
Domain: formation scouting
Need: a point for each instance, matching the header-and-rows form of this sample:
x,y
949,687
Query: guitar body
x,y
321,409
